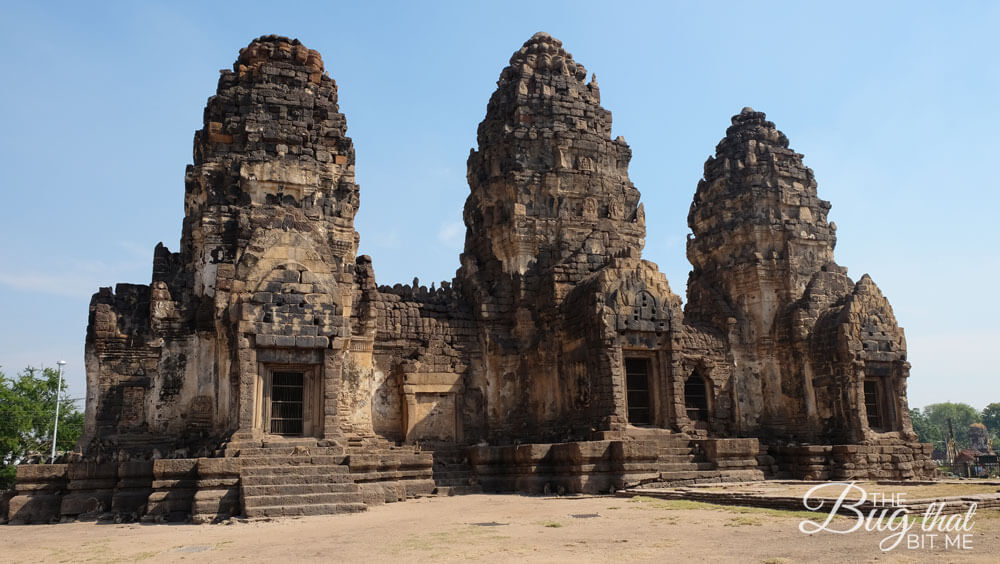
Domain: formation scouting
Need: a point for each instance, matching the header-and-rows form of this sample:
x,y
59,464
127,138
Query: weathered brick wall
x,y
421,330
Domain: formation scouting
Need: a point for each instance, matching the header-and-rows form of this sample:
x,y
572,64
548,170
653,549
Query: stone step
x,y
448,451
298,489
289,451
689,475
454,482
303,510
677,458
649,433
302,499
296,469
458,490
452,474
447,455
438,471
293,460
685,467
674,451
451,463
295,479
281,443
661,461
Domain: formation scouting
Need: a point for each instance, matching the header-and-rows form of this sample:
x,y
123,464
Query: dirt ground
x,y
494,528
902,491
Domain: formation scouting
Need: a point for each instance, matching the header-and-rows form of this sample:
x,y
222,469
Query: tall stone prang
x,y
264,372
979,438
759,230
550,189
269,216
261,326
815,356
266,267
550,204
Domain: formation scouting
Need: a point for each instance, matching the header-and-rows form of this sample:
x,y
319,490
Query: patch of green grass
x,y
647,502
770,512
144,555
775,561
744,522
553,524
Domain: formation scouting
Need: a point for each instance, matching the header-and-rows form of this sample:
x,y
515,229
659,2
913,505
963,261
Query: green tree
x,y
991,418
926,430
961,415
27,415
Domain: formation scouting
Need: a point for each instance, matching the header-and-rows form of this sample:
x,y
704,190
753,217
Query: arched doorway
x,y
696,397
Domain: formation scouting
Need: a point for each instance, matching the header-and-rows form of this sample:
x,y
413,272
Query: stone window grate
x,y
637,391
286,403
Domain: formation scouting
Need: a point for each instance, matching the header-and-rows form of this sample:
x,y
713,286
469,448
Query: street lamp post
x,y
55,428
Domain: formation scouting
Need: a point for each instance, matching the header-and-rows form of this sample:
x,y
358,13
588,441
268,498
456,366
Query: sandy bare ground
x,y
908,492
490,528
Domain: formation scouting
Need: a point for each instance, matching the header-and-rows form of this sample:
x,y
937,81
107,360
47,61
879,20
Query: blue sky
x,y
893,104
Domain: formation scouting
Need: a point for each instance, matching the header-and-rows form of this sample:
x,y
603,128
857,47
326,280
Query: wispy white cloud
x,y
386,239
452,233
77,278
54,283
139,251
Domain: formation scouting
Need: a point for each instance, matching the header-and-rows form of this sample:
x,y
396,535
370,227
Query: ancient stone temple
x,y
263,371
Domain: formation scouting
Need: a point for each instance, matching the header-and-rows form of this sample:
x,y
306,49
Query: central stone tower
x,y
550,204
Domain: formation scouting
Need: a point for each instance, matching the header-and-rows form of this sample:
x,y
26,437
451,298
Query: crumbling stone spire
x,y
550,191
550,204
273,138
759,229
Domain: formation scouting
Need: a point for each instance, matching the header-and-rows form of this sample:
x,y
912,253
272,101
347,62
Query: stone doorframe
x,y
312,397
433,383
658,390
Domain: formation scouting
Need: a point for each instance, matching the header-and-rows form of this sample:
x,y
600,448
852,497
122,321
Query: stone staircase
x,y
386,471
681,458
453,475
295,477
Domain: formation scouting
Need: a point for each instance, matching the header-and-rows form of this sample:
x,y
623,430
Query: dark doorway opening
x,y
696,397
286,403
637,391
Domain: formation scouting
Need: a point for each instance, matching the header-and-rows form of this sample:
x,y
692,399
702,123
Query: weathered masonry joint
x,y
263,371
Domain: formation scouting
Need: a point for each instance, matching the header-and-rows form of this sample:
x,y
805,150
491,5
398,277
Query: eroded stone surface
x,y
557,351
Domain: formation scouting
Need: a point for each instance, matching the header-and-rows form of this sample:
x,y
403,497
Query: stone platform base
x,y
280,478
306,478
202,489
887,459
608,465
